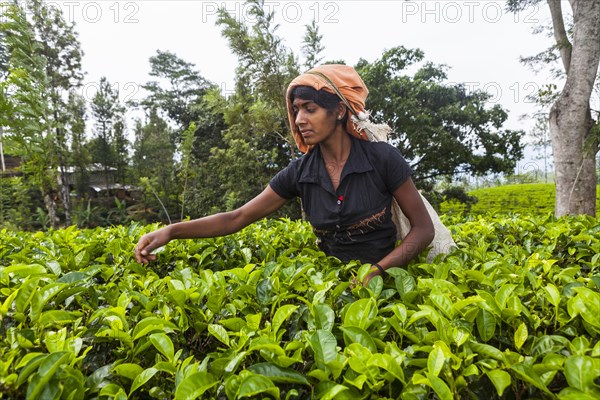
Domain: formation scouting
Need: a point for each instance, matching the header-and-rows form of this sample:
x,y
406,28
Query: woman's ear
x,y
341,111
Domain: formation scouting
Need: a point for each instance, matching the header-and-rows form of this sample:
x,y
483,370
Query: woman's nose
x,y
300,118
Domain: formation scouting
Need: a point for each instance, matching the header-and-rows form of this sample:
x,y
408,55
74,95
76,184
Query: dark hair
x,y
328,101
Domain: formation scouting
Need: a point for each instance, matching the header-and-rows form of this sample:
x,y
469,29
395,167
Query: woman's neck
x,y
337,149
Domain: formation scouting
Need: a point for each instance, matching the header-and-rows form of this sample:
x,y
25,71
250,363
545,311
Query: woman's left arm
x,y
421,232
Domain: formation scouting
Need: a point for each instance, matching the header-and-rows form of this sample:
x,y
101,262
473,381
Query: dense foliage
x,y
200,147
511,313
436,124
532,198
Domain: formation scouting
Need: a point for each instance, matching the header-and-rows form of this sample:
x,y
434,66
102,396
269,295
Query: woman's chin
x,y
309,140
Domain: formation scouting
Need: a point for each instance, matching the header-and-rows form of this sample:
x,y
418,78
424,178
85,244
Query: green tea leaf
x,y
152,324
570,393
55,341
8,303
596,350
30,363
581,371
552,294
439,387
194,386
21,271
503,294
375,285
323,316
163,344
43,296
25,293
254,385
486,325
324,345
400,311
264,291
142,378
579,346
500,379
327,390
73,277
443,303
113,390
123,337
219,332
527,374
281,315
58,317
521,335
46,371
405,283
278,374
99,378
489,303
586,303
253,321
388,363
354,334
486,351
361,313
128,370
435,361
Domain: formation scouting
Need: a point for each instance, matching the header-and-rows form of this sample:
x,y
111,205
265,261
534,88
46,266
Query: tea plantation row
x,y
532,198
512,313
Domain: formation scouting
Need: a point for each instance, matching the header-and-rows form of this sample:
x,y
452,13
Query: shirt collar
x,y
314,170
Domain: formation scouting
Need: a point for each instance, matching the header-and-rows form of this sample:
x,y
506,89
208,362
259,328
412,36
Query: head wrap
x,y
344,81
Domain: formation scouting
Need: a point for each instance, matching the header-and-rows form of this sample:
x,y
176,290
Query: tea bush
x,y
531,198
512,313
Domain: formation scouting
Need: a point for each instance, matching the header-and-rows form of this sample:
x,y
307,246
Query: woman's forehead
x,y
302,102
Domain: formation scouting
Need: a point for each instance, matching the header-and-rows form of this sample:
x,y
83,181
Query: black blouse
x,y
354,221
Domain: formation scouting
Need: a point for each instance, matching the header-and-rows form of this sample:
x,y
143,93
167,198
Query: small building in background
x,y
102,183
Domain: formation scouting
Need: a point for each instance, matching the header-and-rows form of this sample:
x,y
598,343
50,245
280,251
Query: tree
x,y
266,66
441,129
121,150
60,48
177,98
257,141
25,106
540,139
107,112
176,102
574,129
79,157
4,58
202,191
153,159
311,45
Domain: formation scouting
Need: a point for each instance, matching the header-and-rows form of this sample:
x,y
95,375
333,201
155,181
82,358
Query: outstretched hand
x,y
370,276
148,243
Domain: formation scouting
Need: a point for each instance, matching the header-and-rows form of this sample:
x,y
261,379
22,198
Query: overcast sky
x,y
479,41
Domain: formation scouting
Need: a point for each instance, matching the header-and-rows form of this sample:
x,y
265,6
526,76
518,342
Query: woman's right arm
x,y
220,224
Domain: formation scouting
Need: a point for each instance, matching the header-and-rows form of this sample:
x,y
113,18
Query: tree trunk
x,y
63,185
51,207
65,195
573,144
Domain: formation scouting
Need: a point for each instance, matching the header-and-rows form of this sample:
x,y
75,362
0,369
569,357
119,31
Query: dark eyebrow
x,y
304,103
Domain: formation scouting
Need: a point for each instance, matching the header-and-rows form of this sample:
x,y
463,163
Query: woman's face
x,y
314,122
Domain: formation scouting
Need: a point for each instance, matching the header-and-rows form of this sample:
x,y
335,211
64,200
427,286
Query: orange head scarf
x,y
342,80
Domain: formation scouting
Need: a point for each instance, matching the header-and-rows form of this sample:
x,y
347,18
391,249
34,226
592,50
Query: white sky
x,y
479,40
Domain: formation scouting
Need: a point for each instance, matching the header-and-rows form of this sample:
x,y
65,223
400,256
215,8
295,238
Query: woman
x,y
345,181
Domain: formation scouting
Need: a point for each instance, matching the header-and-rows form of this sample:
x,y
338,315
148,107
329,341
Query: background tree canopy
x,y
441,129
199,151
